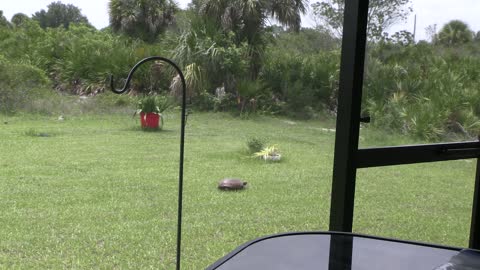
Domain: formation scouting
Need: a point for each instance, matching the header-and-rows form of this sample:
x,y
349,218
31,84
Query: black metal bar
x,y
180,169
348,117
340,253
182,138
410,154
475,222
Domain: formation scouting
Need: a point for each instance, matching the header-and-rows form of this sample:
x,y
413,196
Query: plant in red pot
x,y
150,109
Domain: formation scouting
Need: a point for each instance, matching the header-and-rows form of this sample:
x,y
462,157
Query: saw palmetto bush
x,y
90,56
430,98
79,60
209,58
15,93
303,83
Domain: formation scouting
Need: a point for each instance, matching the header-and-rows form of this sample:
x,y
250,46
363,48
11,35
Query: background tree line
x,y
235,60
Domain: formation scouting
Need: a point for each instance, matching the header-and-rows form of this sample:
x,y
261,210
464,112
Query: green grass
x,y
100,193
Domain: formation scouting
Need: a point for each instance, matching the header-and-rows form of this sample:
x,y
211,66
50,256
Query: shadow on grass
x,y
149,130
42,134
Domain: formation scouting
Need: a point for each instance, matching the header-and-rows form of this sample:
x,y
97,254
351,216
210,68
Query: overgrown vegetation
x,y
19,83
236,62
427,91
255,144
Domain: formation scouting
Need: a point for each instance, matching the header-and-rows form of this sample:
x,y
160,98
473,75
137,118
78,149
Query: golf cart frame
x,y
349,158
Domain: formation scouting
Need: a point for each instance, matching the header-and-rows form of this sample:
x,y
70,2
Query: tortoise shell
x,y
231,184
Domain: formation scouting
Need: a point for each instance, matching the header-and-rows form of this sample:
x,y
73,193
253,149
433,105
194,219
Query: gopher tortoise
x,y
231,184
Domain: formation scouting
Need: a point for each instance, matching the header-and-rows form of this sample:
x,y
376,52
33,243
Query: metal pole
x,y
340,253
182,137
348,117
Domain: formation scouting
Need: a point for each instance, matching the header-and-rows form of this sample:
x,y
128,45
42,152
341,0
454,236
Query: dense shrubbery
x,y
18,84
79,60
305,83
426,90
430,92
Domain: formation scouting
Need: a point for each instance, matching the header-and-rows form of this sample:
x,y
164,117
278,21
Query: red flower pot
x,y
150,120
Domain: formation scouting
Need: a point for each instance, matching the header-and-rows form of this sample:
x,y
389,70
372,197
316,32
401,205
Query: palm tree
x,y
143,19
455,32
247,19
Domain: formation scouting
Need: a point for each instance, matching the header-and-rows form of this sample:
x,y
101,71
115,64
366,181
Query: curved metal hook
x,y
182,136
132,71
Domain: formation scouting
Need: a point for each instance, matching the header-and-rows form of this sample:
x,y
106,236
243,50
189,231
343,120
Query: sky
x,y
429,12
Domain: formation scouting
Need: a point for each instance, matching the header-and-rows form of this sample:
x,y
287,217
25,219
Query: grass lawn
x,y
96,192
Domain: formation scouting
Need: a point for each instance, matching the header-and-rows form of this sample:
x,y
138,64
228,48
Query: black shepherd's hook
x,y
182,137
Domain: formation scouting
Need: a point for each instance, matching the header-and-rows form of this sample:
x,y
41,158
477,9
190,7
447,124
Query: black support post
x,y
348,116
475,223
